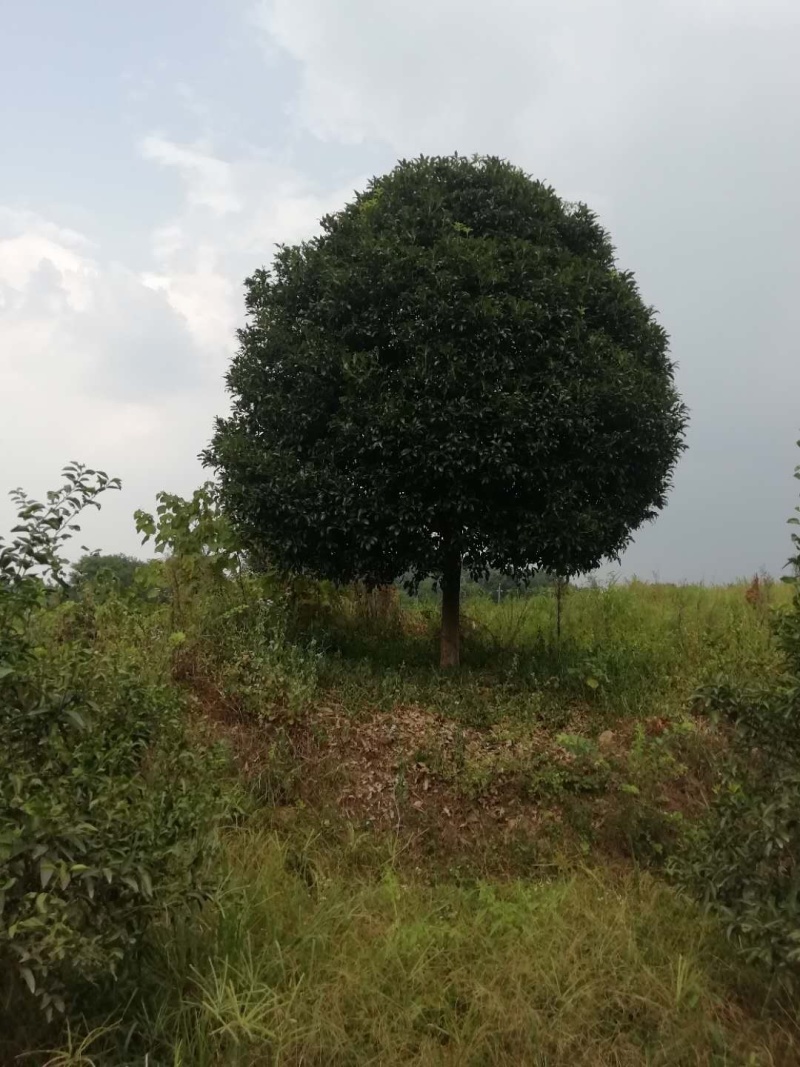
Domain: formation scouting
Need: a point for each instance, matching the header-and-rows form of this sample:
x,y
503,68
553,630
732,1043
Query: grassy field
x,y
434,868
318,957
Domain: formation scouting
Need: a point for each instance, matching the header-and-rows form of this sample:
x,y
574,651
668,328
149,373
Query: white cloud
x,y
202,258
94,365
466,75
403,70
124,368
209,181
97,329
28,242
204,296
533,79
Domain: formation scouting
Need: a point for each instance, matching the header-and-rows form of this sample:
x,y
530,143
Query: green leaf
x,y
75,718
46,872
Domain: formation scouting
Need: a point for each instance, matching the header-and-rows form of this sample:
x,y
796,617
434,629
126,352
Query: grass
x,y
329,962
625,651
451,868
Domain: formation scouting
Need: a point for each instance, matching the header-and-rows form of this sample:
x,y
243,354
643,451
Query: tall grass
x,y
627,650
304,961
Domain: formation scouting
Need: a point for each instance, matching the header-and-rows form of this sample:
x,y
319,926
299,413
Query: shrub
x,y
744,859
261,670
105,809
104,575
104,819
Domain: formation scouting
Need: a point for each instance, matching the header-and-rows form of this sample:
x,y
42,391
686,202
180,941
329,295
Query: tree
x,y
115,569
199,544
454,372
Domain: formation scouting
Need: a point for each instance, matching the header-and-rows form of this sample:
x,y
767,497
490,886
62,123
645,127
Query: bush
x,y
105,814
104,575
260,670
105,808
744,859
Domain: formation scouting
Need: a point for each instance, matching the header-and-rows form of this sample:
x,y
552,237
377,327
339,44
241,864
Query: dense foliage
x,y
106,572
745,857
455,371
105,809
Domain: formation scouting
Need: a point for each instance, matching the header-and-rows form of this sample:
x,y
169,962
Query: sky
x,y
153,155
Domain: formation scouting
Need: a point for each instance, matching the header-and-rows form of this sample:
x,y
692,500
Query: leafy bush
x,y
744,860
788,626
744,864
32,557
262,671
104,814
105,809
200,549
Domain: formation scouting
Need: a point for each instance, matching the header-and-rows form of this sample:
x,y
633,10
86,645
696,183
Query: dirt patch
x,y
510,789
404,770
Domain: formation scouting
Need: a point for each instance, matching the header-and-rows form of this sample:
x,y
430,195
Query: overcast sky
x,y
154,153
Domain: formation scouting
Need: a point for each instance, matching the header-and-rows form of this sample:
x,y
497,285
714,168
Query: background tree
x,y
455,373
198,542
114,570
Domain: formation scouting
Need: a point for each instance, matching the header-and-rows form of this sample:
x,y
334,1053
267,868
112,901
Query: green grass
x,y
316,957
628,650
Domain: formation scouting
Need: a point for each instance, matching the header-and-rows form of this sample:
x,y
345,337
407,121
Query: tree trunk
x,y
451,610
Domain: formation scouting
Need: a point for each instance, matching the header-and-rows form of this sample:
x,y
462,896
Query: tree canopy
x,y
455,372
114,568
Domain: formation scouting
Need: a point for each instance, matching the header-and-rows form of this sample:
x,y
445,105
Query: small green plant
x,y
788,621
198,543
32,558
